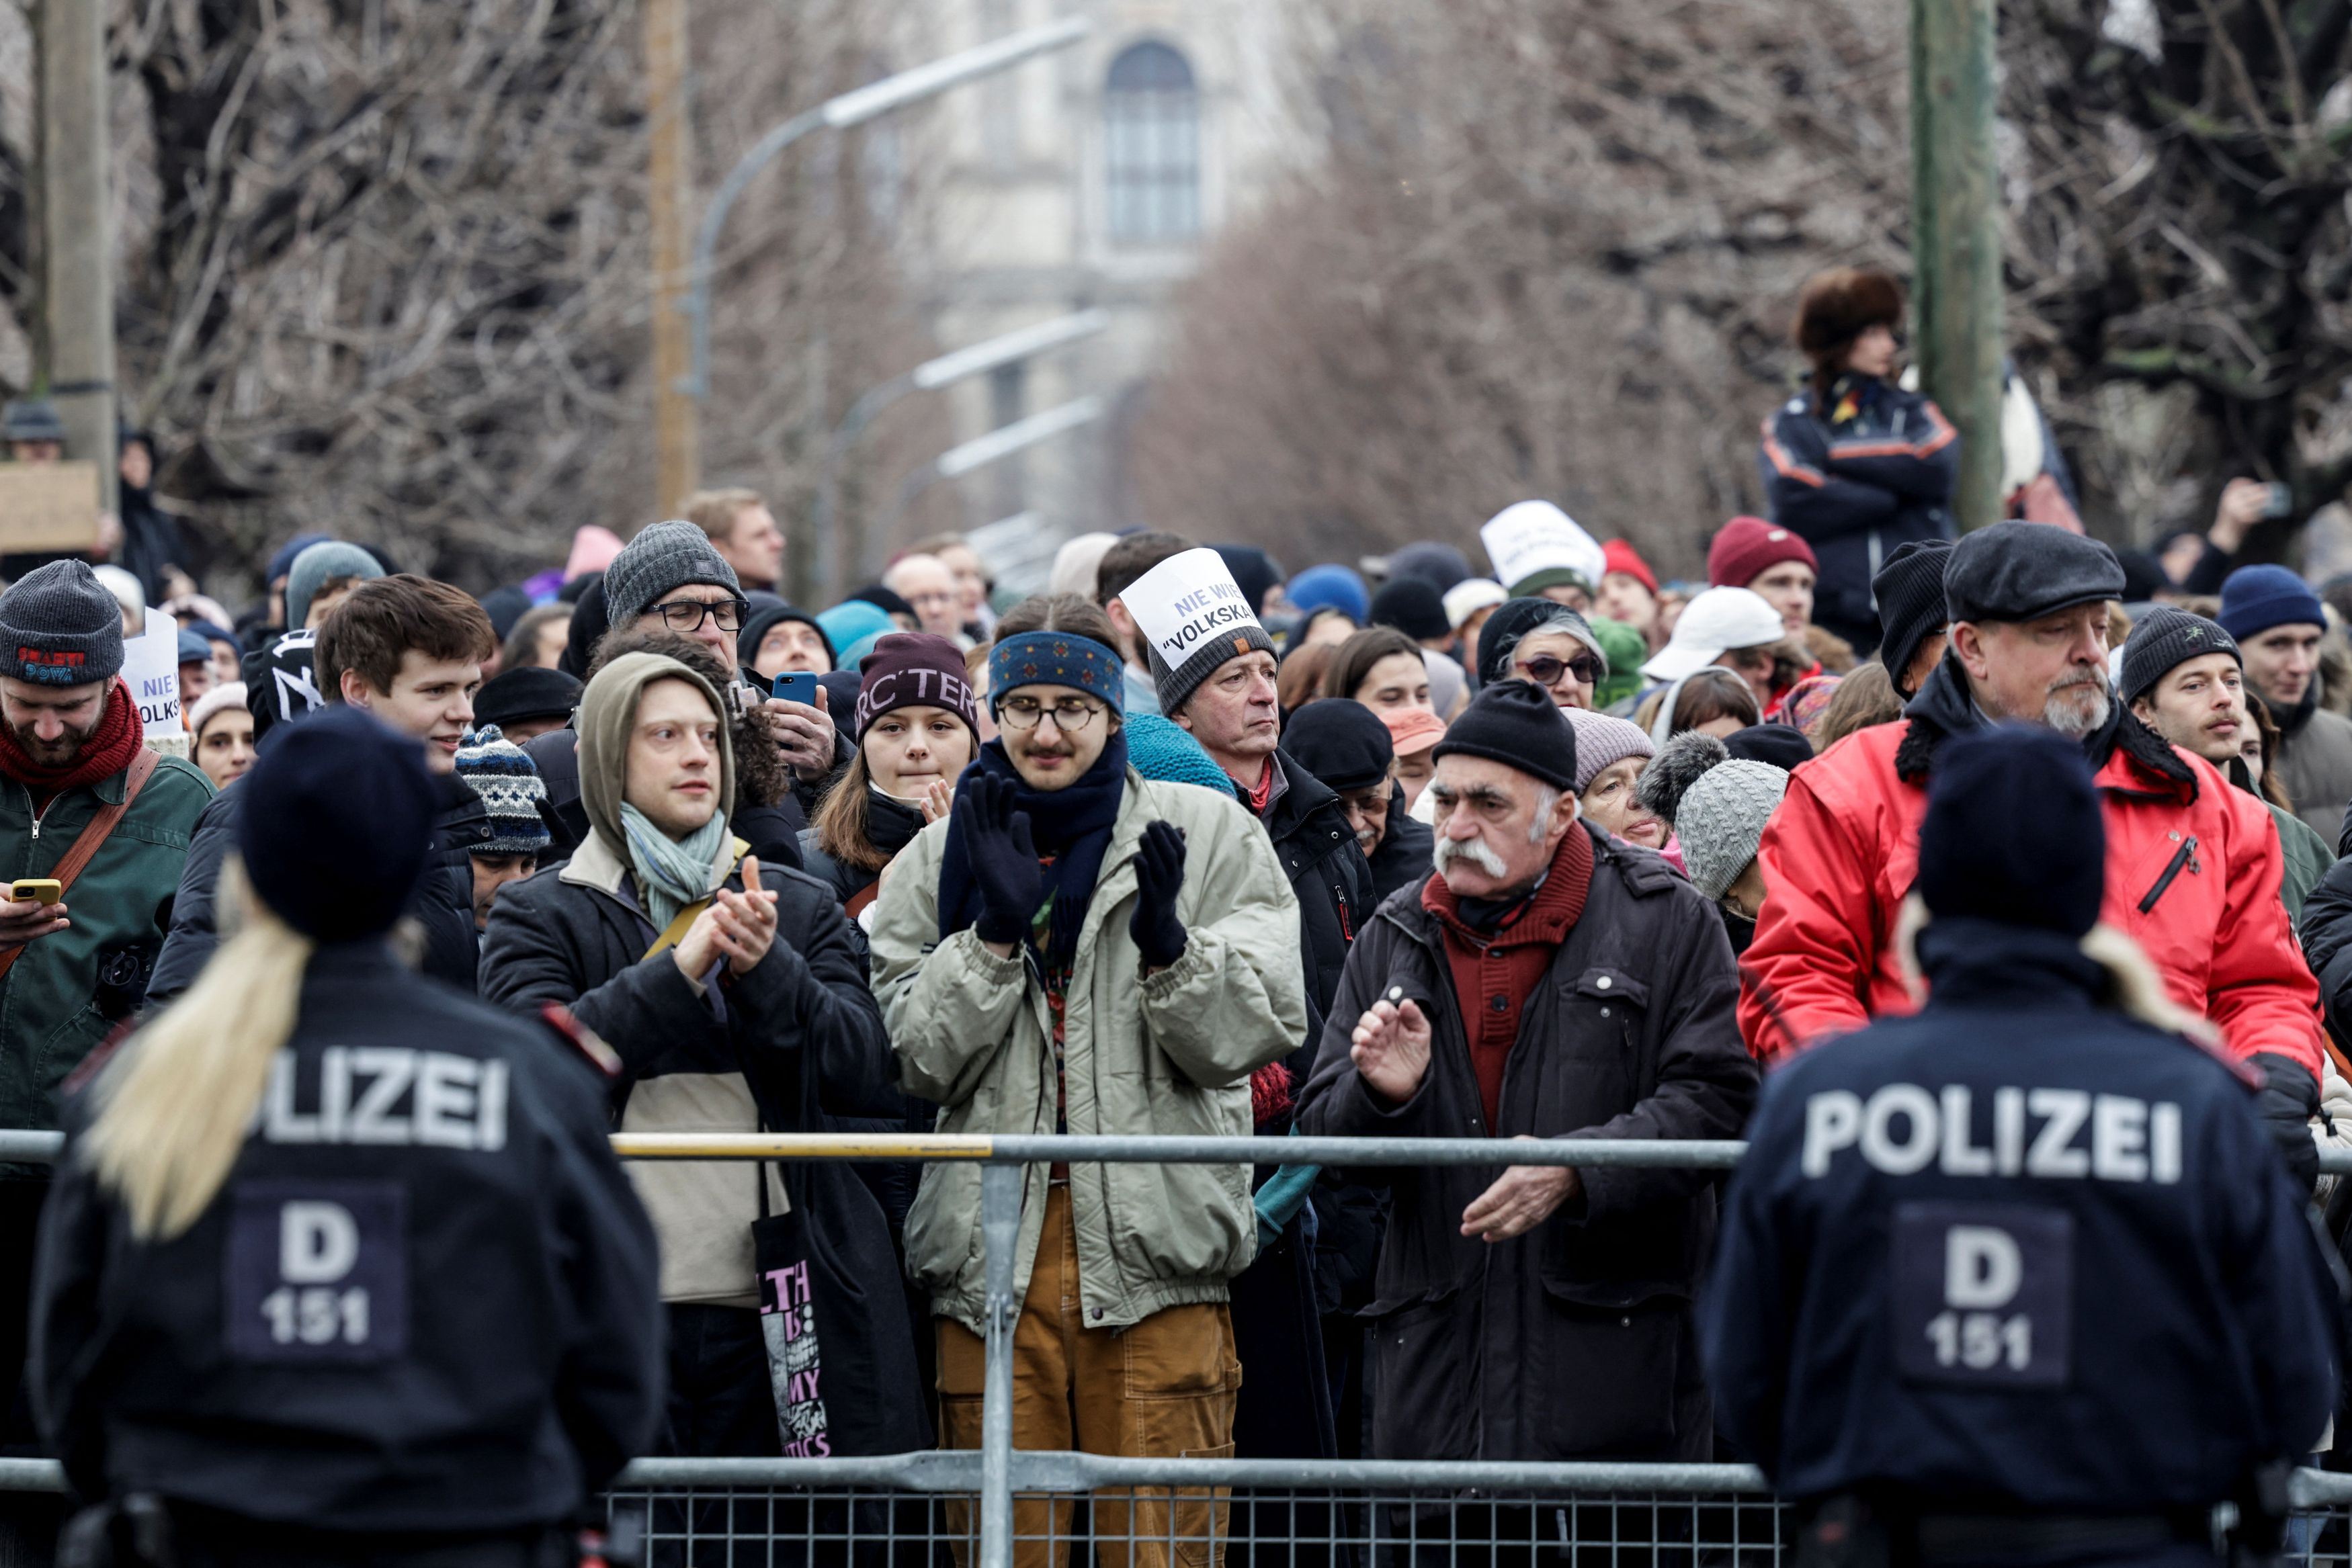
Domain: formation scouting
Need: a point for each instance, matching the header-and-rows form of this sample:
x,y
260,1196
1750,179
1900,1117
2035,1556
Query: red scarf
x,y
107,751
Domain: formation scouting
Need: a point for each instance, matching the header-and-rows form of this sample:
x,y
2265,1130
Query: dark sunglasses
x,y
1545,670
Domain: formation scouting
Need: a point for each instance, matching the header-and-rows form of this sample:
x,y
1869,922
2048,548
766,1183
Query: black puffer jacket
x,y
1574,1341
442,906
1328,876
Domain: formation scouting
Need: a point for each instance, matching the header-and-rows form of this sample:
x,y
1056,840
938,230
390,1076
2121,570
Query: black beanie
x,y
1253,571
526,691
1515,723
1344,744
1414,606
2013,832
1501,632
2166,637
337,819
1784,746
1910,592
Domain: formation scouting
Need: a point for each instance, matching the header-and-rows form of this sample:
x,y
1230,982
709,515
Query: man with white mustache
x,y
2194,865
1546,981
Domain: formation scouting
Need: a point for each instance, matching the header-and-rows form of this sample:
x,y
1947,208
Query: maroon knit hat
x,y
915,669
1745,548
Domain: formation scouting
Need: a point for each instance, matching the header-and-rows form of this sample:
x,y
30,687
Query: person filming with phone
x,y
94,830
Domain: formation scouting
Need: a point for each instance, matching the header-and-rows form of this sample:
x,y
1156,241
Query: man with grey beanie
x,y
88,806
671,576
2194,865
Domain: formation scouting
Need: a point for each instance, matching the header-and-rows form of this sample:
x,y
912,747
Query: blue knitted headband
x,y
1056,659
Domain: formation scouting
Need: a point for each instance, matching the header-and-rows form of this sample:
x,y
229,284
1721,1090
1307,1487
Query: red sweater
x,y
1494,972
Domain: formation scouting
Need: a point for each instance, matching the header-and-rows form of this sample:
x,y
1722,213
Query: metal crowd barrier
x,y
1037,1507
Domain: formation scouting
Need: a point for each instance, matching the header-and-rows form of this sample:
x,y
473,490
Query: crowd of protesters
x,y
1186,845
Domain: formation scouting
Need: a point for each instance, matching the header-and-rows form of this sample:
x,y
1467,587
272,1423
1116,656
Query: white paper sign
x,y
1536,535
151,668
1186,602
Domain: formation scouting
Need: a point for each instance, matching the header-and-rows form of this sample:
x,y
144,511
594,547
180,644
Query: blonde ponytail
x,y
175,1107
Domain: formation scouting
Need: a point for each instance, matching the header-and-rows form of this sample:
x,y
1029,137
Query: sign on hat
x,y
1193,617
1532,539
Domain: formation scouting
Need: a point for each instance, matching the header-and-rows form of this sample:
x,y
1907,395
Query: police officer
x,y
2019,1279
339,1264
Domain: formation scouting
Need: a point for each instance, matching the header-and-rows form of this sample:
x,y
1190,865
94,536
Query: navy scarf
x,y
1072,826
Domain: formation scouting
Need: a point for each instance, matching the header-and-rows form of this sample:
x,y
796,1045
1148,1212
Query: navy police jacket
x,y
2017,1248
424,1299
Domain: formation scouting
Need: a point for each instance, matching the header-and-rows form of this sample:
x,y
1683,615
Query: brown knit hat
x,y
1839,304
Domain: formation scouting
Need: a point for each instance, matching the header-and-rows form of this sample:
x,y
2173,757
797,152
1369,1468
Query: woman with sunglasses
x,y
1550,645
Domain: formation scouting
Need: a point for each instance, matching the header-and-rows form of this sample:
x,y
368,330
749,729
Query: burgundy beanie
x,y
915,669
1745,548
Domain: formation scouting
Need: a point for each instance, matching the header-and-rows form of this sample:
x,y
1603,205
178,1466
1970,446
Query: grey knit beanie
x,y
2165,639
662,557
1602,741
63,628
312,569
1721,819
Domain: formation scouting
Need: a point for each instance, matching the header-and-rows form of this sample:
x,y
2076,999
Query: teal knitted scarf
x,y
673,873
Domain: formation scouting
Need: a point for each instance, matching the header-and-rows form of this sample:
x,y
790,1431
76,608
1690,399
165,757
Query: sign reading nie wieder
x,y
1536,535
1189,608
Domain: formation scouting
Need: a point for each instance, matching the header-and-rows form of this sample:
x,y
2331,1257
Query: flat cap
x,y
2022,571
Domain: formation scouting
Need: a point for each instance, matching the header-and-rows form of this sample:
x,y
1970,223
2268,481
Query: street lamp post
x,y
978,453
1023,343
851,108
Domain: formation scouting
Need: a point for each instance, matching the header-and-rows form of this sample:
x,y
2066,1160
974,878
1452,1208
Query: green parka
x,y
52,1012
1170,1054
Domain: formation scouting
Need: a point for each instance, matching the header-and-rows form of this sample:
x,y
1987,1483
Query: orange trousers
x,y
1165,1386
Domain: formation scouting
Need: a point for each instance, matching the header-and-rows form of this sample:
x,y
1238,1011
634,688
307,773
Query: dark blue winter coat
x,y
1858,487
2016,1247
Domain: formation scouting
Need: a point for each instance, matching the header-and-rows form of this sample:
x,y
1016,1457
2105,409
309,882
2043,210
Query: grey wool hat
x,y
1721,818
2166,637
663,557
62,627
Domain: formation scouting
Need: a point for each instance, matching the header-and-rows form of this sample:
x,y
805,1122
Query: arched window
x,y
1151,146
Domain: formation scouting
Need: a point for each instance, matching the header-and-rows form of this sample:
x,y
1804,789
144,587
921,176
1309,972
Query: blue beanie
x,y
1161,749
848,621
2256,598
337,819
283,561
1056,659
2013,832
1335,587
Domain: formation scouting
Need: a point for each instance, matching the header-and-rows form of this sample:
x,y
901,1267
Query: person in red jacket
x,y
2194,865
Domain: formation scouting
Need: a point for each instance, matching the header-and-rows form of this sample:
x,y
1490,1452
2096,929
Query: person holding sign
x,y
341,1267
1969,1248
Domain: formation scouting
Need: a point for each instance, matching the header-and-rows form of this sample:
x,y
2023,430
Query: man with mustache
x,y
1546,981
2194,865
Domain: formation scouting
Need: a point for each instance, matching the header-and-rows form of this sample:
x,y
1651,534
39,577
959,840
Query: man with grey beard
x,y
2194,865
1548,981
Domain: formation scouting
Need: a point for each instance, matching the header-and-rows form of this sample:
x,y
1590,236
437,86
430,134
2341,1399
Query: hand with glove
x,y
2288,1100
1003,859
1159,877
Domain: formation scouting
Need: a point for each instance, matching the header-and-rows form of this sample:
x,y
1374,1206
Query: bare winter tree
x,y
1553,250
384,262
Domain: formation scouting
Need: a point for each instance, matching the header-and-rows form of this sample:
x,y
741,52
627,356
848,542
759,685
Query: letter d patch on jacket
x,y
317,1271
1983,1294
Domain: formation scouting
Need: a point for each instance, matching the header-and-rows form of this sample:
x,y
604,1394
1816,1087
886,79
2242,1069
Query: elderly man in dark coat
x,y
1548,981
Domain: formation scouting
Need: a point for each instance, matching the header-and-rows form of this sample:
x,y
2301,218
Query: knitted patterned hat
x,y
60,627
1602,741
1720,820
506,780
1056,659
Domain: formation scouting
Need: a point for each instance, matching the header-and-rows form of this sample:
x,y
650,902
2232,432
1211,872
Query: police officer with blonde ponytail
x,y
2020,1279
339,1266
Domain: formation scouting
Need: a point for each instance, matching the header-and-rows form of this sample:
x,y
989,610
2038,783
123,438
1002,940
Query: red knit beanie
x,y
1621,556
1747,548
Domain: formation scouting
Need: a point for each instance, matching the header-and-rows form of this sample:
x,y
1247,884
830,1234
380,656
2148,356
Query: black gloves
x,y
1159,876
1003,859
2288,1100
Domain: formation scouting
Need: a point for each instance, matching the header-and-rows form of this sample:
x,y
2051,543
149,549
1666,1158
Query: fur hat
x,y
1839,304
1677,766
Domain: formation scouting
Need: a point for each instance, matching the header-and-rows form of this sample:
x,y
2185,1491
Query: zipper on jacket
x,y
2185,856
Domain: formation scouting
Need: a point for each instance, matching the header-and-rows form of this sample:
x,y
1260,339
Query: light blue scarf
x,y
673,873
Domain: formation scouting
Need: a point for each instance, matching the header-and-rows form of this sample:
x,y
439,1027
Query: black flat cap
x,y
526,691
2022,571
